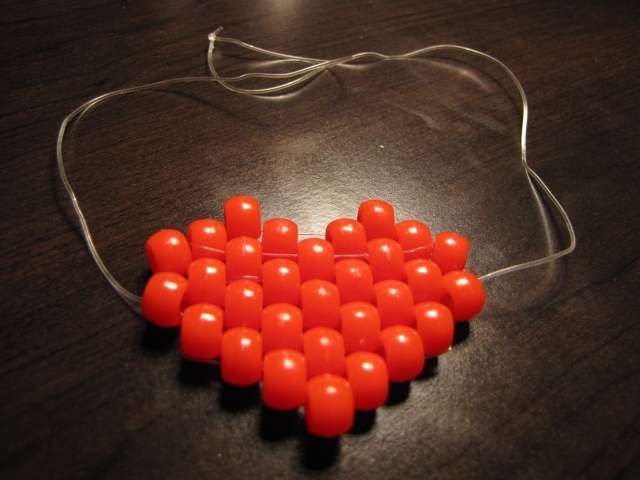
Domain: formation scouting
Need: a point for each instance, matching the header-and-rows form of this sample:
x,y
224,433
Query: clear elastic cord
x,y
287,81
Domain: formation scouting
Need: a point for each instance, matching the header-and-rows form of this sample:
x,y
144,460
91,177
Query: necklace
x,y
324,323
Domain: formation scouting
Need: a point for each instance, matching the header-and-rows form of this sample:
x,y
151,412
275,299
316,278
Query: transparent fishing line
x,y
286,82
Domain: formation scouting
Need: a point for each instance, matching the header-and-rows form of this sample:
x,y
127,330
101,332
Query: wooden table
x,y
544,384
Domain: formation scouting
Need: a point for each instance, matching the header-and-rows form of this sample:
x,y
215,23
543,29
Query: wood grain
x,y
544,384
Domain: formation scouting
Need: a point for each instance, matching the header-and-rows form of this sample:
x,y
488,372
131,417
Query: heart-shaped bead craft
x,y
321,323
324,324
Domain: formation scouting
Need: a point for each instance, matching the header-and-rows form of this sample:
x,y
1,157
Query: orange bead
x,y
243,305
403,352
369,379
320,302
281,327
360,327
329,408
207,282
315,259
208,239
464,294
386,259
450,251
162,299
281,282
242,217
415,239
324,351
241,356
434,323
378,219
354,280
394,302
244,259
424,279
201,332
347,237
168,251
280,239
284,380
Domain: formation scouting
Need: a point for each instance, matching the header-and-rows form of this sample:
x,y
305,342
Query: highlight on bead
x,y
243,304
434,323
347,236
201,332
207,238
281,327
316,260
369,378
279,239
354,280
244,258
242,217
207,280
162,299
241,356
281,281
323,324
284,379
324,351
329,407
168,250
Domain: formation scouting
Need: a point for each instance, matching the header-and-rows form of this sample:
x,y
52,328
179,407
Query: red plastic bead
x,y
415,239
243,305
208,239
207,282
329,408
464,294
324,351
386,259
354,280
320,302
284,380
162,299
315,259
280,239
434,323
347,236
244,258
241,356
242,217
281,282
450,251
403,352
201,332
394,302
369,379
281,327
360,327
424,279
378,219
168,251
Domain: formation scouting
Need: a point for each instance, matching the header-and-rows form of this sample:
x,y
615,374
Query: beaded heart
x,y
324,324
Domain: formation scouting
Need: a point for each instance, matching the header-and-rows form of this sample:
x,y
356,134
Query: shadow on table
x,y
429,370
461,332
318,453
321,453
198,375
238,399
278,426
156,340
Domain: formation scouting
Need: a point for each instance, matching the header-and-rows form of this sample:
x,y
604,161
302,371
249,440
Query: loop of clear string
x,y
288,81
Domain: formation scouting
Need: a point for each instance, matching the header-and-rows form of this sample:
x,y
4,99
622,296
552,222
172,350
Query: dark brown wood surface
x,y
544,384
